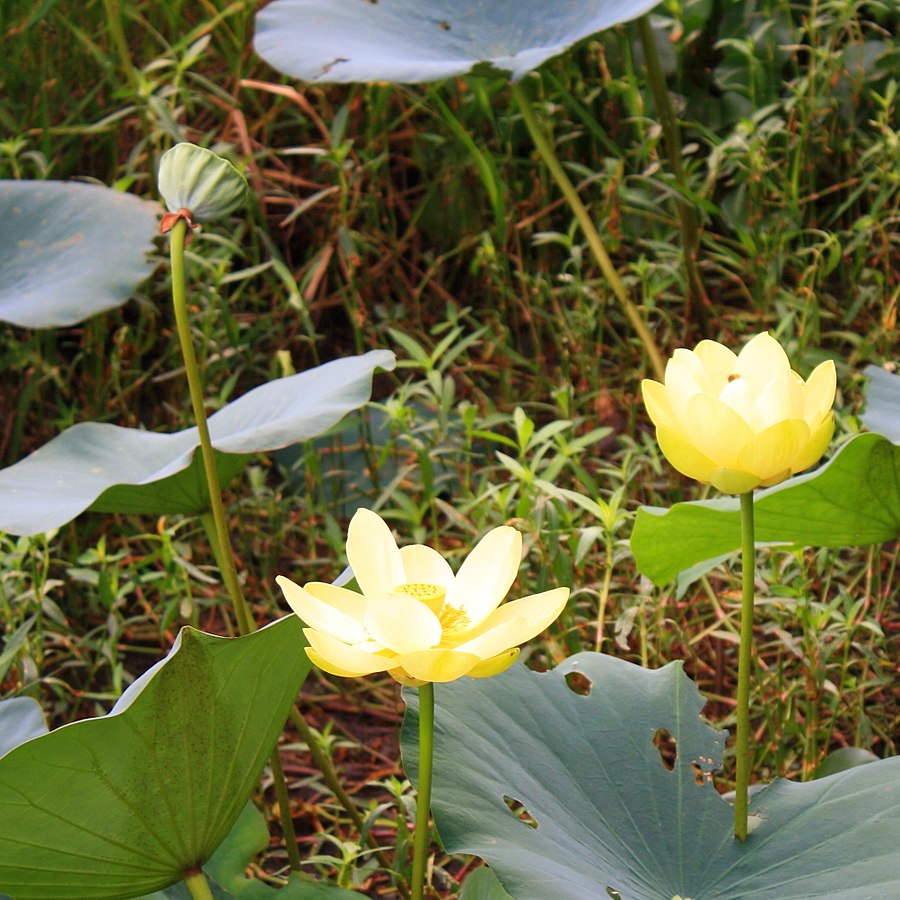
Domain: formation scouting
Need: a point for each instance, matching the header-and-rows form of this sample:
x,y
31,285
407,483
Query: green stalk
x,y
219,536
192,370
687,218
284,811
423,795
745,659
114,20
198,886
551,160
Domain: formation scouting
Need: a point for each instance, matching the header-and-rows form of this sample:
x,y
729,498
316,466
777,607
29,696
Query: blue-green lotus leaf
x,y
854,499
70,250
129,803
882,412
410,41
196,179
21,719
556,779
108,468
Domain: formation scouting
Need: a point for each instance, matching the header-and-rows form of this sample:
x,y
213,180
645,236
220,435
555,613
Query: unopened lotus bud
x,y
198,186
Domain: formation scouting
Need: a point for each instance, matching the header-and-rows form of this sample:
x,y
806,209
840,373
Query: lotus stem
x,y
198,886
195,386
423,794
690,232
551,160
218,534
745,660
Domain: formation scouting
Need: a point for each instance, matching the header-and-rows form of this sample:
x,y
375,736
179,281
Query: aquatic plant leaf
x,y
853,499
130,802
410,41
593,780
70,250
108,468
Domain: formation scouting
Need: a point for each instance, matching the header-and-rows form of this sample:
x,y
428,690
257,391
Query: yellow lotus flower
x,y
740,422
414,618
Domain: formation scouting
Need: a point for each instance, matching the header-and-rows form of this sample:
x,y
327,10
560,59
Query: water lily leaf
x,y
854,499
196,179
70,250
108,468
594,777
21,719
408,41
130,802
882,413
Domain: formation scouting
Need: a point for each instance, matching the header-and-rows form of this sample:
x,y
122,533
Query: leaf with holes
x,y
409,41
70,250
853,499
128,803
107,468
596,777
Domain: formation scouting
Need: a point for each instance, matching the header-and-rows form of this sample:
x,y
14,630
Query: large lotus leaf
x,y
854,499
409,41
556,780
882,414
69,250
128,803
113,469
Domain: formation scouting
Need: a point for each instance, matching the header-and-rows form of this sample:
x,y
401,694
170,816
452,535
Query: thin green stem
x,y
114,21
423,795
217,530
198,886
284,811
745,660
192,370
687,216
545,148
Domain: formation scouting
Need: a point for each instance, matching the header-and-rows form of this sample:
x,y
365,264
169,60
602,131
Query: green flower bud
x,y
199,185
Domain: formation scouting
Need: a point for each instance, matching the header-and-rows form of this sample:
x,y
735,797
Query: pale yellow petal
x,y
372,553
760,359
326,608
515,622
495,665
733,481
684,374
404,678
424,565
718,363
437,665
817,444
738,396
820,389
783,397
773,451
715,429
656,399
338,658
402,623
487,574
683,455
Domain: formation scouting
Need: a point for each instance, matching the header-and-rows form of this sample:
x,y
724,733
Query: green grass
x,y
420,219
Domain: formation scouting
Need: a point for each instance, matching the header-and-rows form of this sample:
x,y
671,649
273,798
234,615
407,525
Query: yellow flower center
x,y
733,377
430,594
433,596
